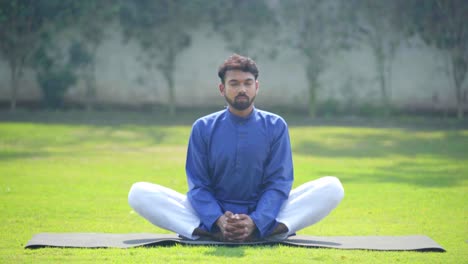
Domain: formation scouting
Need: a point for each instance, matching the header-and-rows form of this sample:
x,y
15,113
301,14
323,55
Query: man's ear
x,y
221,88
257,85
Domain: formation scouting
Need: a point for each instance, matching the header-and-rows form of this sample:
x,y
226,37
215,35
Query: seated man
x,y
239,172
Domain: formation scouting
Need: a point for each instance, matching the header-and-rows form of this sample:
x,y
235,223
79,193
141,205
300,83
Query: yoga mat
x,y
106,240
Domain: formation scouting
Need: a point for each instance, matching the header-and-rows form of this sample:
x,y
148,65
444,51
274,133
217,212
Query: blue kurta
x,y
242,165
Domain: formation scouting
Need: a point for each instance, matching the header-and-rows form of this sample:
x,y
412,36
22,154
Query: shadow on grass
x,y
43,141
187,116
421,175
452,145
103,118
134,132
8,155
424,175
424,160
121,134
226,252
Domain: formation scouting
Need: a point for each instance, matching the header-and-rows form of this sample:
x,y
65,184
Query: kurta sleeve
x,y
200,192
277,182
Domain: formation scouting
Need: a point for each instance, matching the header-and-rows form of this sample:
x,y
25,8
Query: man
x,y
239,172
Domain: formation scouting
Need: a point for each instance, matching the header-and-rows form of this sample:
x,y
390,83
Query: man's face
x,y
239,89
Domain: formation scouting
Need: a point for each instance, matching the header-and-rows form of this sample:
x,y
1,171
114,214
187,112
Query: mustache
x,y
242,95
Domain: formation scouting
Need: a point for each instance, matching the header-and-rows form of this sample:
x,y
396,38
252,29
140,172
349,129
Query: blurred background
x,y
317,58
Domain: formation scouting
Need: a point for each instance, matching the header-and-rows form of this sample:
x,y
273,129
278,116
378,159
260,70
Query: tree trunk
x,y
90,87
312,77
384,91
168,72
14,84
458,93
312,100
381,73
460,110
458,72
168,75
171,60
172,99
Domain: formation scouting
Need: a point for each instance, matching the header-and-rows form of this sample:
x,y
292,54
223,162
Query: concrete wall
x,y
350,77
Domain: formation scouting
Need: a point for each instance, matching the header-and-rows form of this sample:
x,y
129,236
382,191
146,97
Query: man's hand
x,y
222,223
236,227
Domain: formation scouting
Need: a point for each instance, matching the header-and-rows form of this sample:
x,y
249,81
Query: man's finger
x,y
242,216
237,237
238,223
234,230
238,218
228,214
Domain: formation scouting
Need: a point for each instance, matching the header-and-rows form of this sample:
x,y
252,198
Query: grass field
x,y
61,175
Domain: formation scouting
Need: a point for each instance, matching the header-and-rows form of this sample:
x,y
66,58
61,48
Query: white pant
x,y
168,209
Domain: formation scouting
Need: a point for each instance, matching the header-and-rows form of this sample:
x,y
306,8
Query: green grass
x,y
74,177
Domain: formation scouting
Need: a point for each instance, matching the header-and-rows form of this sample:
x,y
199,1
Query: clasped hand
x,y
236,227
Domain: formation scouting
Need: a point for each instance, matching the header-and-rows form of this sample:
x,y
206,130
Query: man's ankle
x,y
200,232
280,229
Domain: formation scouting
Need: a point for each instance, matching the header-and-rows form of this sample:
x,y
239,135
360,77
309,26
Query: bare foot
x,y
200,232
218,236
280,229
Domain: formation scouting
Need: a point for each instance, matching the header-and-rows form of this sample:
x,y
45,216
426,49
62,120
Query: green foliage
x,y
22,23
54,84
334,108
440,23
79,55
163,29
55,75
374,24
54,78
314,28
158,28
443,24
74,176
329,107
245,25
91,19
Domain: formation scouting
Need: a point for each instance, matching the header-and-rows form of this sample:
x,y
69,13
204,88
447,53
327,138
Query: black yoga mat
x,y
106,240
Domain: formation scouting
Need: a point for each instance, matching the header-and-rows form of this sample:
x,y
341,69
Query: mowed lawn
x,y
74,177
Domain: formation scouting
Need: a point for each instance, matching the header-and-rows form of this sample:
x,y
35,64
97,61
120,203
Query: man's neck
x,y
241,113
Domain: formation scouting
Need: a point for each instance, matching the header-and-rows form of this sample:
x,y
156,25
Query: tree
x,y
54,74
313,29
443,24
375,24
91,20
162,28
22,23
242,23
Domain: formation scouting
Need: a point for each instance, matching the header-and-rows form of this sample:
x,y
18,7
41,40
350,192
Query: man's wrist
x,y
220,222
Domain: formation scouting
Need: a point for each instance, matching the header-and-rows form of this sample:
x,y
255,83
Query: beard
x,y
240,104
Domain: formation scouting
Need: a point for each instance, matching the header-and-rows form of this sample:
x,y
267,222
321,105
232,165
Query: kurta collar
x,y
238,119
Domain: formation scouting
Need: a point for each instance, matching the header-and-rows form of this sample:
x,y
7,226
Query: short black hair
x,y
237,62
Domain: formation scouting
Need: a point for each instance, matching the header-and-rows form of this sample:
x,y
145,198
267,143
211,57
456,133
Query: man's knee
x,y
334,188
136,193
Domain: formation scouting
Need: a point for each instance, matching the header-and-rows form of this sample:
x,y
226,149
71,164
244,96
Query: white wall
x,y
121,78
